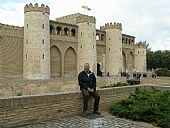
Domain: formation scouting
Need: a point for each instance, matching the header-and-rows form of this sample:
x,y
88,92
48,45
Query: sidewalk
x,y
105,120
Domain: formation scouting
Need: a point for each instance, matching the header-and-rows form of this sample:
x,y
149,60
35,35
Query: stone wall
x,y
15,111
31,87
11,57
157,81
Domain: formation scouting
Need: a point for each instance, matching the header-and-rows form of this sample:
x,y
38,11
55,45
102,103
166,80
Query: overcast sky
x,y
145,19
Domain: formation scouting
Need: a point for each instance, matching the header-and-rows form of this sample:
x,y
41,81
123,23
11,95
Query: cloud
x,y
146,20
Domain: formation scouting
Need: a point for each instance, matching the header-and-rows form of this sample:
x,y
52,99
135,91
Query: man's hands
x,y
90,90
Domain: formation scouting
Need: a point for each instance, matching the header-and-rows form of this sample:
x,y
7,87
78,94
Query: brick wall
x,y
16,111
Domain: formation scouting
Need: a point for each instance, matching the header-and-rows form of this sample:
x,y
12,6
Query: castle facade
x,y
46,48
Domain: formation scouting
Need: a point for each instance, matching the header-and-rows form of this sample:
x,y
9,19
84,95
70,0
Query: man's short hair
x,y
87,63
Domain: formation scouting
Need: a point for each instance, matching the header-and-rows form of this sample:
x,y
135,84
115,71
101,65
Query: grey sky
x,y
145,19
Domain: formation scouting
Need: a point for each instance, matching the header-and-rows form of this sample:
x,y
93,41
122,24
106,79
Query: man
x,y
87,83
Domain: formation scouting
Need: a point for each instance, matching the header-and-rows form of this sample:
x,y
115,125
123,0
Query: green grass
x,y
153,107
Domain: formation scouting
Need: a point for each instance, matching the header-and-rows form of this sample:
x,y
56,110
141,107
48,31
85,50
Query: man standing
x,y
87,83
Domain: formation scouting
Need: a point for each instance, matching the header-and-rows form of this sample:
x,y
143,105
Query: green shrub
x,y
118,84
153,107
163,72
19,94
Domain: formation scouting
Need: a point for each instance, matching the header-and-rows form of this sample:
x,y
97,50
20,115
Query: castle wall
x,y
36,42
11,57
64,59
87,43
140,58
11,50
9,30
128,55
70,19
60,48
113,48
63,55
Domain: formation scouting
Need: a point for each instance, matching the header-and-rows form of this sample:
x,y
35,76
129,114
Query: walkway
x,y
105,120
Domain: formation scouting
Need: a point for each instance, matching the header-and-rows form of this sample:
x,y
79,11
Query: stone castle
x,y
45,48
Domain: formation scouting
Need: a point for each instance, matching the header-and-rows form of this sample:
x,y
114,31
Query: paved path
x,y
91,121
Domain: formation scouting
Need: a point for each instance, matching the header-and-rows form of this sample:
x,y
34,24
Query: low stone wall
x,y
157,81
14,87
16,111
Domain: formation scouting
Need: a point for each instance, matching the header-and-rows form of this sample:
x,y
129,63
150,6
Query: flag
x,y
89,9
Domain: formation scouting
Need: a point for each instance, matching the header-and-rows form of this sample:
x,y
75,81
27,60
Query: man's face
x,y
86,67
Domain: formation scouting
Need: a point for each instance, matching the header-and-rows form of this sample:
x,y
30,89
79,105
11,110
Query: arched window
x,y
129,41
102,37
126,40
51,29
132,41
58,30
73,32
65,31
97,37
122,40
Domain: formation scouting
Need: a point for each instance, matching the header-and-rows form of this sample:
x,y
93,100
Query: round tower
x,y
114,64
140,58
86,42
36,54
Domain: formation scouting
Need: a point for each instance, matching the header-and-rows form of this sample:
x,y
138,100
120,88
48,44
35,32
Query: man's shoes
x,y
83,114
97,112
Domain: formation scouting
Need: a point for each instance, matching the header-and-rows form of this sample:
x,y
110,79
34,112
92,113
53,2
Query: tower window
x,y
129,41
73,32
80,46
27,25
43,26
58,30
109,49
65,31
102,37
26,56
93,46
81,33
43,41
51,29
43,56
27,41
97,37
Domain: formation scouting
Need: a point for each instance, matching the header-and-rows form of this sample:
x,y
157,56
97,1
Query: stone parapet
x,y
111,26
140,46
10,30
42,8
85,18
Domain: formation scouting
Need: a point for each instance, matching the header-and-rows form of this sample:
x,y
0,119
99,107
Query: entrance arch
x,y
55,61
70,62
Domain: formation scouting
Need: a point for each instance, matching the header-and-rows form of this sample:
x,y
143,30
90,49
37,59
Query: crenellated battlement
x,y
140,45
85,18
11,27
42,8
10,30
111,26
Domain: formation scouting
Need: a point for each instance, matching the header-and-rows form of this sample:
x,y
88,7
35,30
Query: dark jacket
x,y
85,81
